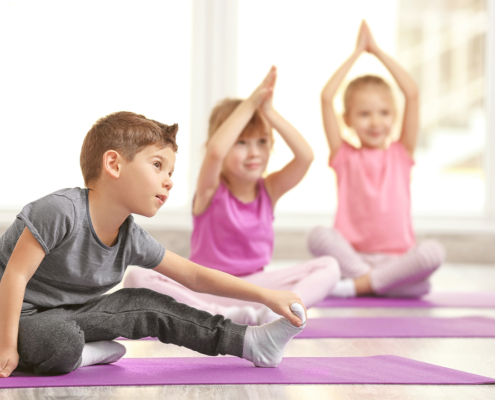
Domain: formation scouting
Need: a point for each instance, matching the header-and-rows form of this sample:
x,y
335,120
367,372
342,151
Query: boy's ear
x,y
112,163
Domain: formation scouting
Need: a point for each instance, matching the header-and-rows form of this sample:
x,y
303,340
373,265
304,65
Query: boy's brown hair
x,y
360,83
125,132
226,107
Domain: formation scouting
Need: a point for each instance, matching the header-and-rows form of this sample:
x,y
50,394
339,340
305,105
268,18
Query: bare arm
x,y
205,280
24,261
410,122
280,182
221,142
330,122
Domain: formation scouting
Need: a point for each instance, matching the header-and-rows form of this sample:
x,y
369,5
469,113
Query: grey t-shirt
x,y
77,266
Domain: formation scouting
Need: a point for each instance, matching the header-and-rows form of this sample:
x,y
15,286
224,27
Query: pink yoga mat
x,y
231,370
399,327
446,300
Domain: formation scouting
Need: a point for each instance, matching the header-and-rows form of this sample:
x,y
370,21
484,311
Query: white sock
x,y
103,352
264,345
344,288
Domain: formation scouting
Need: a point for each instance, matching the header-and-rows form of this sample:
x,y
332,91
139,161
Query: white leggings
x,y
404,275
312,281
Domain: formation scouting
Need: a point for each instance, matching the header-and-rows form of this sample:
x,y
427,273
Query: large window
x,y
443,45
67,63
440,43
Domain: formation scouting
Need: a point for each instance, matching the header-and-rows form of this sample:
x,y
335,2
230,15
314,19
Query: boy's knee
x,y
62,349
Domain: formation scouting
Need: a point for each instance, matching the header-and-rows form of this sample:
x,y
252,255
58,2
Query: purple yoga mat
x,y
394,327
231,370
398,327
455,300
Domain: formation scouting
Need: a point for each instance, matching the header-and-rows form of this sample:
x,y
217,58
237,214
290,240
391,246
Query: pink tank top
x,y
233,236
374,201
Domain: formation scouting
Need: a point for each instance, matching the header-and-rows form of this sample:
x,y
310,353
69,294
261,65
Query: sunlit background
x,y
67,63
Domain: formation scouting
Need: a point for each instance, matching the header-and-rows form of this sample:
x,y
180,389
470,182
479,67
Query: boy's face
x,y
146,181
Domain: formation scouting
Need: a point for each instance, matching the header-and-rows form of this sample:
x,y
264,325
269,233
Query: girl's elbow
x,y
214,153
326,98
310,157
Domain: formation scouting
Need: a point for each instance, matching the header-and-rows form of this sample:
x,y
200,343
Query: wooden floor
x,y
470,355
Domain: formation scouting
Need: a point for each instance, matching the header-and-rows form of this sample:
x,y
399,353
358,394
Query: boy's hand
x,y
9,359
280,301
265,89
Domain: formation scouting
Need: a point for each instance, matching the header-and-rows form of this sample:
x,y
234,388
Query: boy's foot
x,y
104,352
264,345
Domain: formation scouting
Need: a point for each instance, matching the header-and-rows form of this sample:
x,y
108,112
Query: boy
x,y
65,250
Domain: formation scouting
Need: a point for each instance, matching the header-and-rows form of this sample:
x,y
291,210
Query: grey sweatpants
x,y
51,340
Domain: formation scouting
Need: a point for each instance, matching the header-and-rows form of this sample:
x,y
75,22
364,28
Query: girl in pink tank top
x,y
233,209
373,238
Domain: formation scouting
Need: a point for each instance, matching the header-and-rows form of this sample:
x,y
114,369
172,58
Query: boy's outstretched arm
x,y
410,122
223,139
330,122
205,280
280,182
23,262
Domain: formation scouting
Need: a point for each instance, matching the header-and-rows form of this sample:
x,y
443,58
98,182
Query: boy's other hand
x,y
280,301
9,359
265,90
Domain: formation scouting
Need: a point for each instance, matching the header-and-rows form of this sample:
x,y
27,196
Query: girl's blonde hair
x,y
256,125
360,83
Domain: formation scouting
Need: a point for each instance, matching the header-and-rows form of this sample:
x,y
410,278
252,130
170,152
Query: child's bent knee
x,y
318,239
433,253
329,266
63,351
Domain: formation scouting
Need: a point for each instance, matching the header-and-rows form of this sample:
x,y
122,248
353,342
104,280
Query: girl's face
x,y
371,114
247,158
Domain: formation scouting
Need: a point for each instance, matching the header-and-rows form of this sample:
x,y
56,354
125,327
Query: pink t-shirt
x,y
374,201
233,236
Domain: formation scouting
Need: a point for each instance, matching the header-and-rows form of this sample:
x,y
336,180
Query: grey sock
x,y
264,345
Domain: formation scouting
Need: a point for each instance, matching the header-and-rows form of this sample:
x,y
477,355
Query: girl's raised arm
x,y
278,183
330,122
223,139
410,122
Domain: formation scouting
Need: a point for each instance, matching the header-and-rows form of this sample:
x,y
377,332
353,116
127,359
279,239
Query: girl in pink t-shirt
x,y
233,210
372,238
